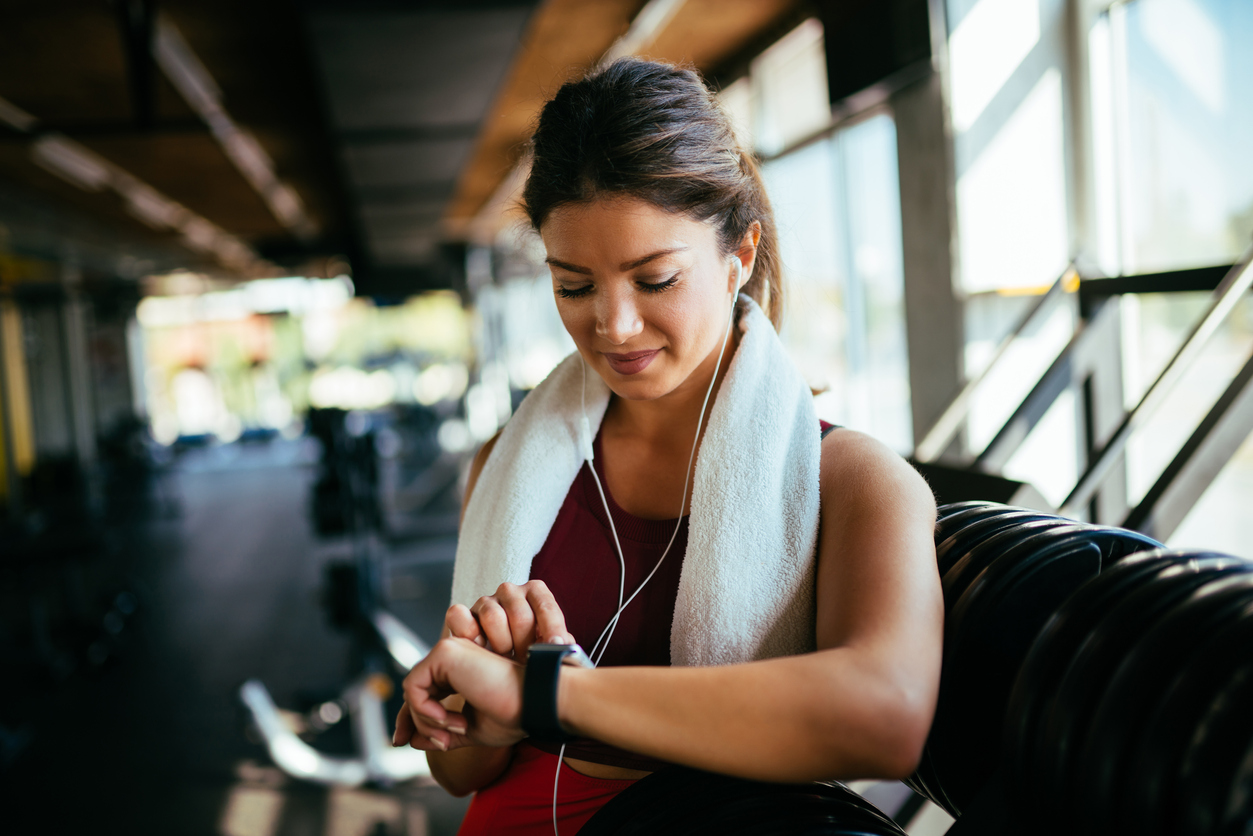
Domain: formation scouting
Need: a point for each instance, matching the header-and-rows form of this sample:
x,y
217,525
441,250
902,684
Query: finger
x,y
454,723
404,726
494,623
550,621
425,711
425,686
460,622
515,601
428,744
443,737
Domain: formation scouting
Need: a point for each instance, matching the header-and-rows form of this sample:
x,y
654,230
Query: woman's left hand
x,y
490,684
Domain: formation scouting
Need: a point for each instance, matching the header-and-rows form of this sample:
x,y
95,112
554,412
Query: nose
x,y
617,316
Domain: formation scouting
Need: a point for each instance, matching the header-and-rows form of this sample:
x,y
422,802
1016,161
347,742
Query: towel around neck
x,y
747,586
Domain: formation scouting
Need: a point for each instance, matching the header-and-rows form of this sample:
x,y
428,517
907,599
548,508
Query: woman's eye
x,y
657,287
573,292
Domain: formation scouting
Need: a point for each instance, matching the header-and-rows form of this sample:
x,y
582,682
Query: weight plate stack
x,y
1005,572
1131,713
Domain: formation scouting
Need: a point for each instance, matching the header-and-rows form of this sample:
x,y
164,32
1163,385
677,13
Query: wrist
x,y
572,680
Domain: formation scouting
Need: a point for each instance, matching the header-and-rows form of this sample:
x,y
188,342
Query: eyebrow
x,y
629,265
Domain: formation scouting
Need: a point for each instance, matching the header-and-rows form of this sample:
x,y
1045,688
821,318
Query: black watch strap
x,y
539,693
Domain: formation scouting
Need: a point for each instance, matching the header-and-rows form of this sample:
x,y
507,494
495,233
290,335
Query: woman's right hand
x,y
511,620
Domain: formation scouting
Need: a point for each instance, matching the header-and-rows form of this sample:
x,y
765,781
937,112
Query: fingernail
x,y
439,744
457,729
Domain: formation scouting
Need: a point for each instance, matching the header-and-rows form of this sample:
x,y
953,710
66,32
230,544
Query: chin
x,y
636,390
637,387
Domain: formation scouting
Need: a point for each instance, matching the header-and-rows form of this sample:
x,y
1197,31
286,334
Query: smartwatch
x,y
539,689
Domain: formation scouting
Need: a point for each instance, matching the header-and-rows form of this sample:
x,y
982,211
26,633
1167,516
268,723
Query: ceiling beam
x,y
565,40
136,18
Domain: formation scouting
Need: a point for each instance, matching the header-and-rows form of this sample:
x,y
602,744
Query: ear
x,y
747,254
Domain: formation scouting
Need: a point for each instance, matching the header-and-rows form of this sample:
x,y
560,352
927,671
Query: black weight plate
x,y
766,814
947,510
1217,770
974,573
1051,652
1063,729
981,523
1117,543
986,652
933,769
967,535
1016,539
926,782
951,517
1147,789
1146,673
686,801
958,514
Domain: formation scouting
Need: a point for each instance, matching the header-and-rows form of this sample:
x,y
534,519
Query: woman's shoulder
x,y
857,468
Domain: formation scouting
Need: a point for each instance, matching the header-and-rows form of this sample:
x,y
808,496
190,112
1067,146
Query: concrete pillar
x,y
933,306
47,373
75,326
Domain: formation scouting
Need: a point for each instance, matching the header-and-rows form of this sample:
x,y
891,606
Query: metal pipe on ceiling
x,y
202,94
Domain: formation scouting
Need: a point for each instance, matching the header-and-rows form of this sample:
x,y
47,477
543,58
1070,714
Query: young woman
x,y
779,615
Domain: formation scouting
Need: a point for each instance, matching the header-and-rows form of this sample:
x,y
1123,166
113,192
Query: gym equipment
x,y
1005,572
345,499
678,801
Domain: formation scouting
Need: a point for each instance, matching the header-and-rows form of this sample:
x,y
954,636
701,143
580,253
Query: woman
x,y
789,629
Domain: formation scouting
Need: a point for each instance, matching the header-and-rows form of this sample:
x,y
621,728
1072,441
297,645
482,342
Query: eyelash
x,y
658,287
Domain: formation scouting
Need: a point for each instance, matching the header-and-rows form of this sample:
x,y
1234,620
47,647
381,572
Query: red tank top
x,y
580,565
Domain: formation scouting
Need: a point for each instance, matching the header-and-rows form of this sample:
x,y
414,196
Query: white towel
x,y
746,590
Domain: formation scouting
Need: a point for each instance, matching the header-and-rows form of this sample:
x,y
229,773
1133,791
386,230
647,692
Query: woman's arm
x,y
860,707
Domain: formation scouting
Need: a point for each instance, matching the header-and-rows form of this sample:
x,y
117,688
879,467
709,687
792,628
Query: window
x,y
837,204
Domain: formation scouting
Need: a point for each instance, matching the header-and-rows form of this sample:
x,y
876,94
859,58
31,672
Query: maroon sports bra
x,y
579,564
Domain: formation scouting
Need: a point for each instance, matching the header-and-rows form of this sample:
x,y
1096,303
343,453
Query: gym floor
x,y
155,742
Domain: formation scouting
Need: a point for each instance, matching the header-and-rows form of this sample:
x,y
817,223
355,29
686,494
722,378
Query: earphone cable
x,y
613,622
607,634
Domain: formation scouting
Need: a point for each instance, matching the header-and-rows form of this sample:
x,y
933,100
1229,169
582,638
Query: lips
x,y
632,363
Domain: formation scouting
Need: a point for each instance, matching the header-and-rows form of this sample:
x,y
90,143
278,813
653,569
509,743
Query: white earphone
x,y
585,445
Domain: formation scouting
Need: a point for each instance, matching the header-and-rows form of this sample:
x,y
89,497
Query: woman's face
x,y
645,293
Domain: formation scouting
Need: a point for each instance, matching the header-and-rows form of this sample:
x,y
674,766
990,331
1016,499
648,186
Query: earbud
x,y
585,426
739,276
585,438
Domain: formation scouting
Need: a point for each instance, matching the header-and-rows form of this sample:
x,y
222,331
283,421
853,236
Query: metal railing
x,y
1226,425
954,416
1233,286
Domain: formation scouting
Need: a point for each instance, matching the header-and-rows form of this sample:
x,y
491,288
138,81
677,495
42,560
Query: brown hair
x,y
655,132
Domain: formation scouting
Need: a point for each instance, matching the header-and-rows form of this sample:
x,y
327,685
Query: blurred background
x,y
264,289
